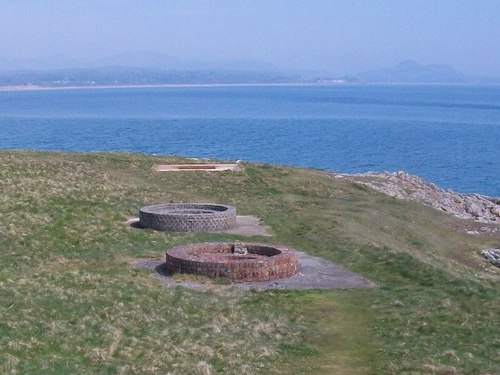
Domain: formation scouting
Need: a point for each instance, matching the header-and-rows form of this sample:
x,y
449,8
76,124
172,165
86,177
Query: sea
x,y
447,134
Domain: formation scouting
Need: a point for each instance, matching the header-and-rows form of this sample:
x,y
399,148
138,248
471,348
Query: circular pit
x,y
187,217
238,262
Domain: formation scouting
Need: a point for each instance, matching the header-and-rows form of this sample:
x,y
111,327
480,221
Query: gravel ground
x,y
314,273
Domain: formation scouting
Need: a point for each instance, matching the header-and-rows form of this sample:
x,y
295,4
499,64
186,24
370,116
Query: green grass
x,y
71,303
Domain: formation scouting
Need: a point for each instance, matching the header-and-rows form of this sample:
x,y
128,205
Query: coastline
x,y
168,85
208,85
474,207
21,119
401,185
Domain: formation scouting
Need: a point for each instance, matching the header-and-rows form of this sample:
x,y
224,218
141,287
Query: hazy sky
x,y
337,36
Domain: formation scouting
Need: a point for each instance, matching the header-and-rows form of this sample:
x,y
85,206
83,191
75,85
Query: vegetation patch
x,y
71,303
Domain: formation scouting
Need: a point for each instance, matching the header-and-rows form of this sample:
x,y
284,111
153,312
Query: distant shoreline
x,y
168,85
207,85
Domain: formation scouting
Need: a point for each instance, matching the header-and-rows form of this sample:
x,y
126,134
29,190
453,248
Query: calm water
x,y
447,134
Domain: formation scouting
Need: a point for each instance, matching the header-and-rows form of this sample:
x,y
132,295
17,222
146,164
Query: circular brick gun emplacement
x,y
238,262
187,217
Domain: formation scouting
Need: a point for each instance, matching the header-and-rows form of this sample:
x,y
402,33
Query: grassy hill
x,y
71,303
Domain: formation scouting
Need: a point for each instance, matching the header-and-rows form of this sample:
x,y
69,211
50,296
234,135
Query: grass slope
x,y
70,302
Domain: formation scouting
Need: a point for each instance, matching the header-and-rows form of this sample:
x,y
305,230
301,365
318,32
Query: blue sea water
x,y
449,135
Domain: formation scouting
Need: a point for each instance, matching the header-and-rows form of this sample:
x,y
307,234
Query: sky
x,y
339,37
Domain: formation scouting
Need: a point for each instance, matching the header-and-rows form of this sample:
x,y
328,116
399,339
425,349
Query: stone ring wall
x,y
238,262
187,217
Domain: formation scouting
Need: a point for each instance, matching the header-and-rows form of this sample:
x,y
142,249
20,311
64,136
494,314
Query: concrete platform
x,y
245,226
196,167
314,273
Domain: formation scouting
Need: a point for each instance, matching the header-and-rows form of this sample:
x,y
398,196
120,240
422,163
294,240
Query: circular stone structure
x,y
187,217
238,262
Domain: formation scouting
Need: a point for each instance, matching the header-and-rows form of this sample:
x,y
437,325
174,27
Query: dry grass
x,y
70,302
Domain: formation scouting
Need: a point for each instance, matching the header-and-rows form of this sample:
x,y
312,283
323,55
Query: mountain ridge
x,y
159,69
410,71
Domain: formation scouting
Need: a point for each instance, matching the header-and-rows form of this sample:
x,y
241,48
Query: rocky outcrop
x,y
401,185
492,256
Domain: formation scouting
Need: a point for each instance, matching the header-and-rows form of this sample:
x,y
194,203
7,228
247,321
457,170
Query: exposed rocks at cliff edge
x,y
401,185
492,256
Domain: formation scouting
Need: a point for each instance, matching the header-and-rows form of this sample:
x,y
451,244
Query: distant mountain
x,y
134,59
233,64
151,59
413,72
120,76
145,59
49,62
137,68
151,68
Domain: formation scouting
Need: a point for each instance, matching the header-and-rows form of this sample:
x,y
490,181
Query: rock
x,y
474,208
492,256
496,210
240,250
402,185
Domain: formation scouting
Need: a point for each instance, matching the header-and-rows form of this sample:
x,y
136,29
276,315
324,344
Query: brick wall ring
x,y
238,262
187,217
